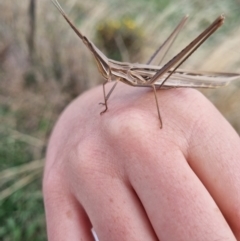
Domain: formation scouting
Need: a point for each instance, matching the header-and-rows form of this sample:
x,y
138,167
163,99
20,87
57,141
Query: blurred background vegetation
x,y
43,66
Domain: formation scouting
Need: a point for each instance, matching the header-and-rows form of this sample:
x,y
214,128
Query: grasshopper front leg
x,y
106,97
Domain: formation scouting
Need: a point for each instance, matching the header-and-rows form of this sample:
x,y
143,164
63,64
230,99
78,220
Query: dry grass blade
x,y
20,183
23,137
14,171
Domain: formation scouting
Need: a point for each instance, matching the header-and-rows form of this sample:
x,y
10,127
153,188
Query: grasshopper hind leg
x,y
156,99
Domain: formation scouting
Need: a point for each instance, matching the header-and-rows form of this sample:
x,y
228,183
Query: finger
x,y
215,157
66,219
178,205
110,203
175,200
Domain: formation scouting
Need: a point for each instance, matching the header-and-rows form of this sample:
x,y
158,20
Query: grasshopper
x,y
156,76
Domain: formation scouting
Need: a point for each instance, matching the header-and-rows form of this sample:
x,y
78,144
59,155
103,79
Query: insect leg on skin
x,y
163,49
146,75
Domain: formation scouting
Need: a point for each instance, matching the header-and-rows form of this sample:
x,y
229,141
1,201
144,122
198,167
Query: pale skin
x,y
131,180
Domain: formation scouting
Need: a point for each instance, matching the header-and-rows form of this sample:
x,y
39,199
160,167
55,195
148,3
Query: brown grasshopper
x,y
146,75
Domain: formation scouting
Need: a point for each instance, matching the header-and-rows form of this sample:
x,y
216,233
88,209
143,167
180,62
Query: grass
x,y
33,93
21,212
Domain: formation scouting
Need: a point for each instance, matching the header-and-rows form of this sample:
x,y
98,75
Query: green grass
x,y
21,204
22,215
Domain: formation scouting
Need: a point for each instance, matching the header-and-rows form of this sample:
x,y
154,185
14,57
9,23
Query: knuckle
x,y
129,123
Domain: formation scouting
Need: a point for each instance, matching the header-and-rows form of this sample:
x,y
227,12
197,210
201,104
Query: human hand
x,y
131,180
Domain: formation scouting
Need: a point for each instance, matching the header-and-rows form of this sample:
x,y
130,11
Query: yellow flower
x,y
114,24
100,27
129,23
